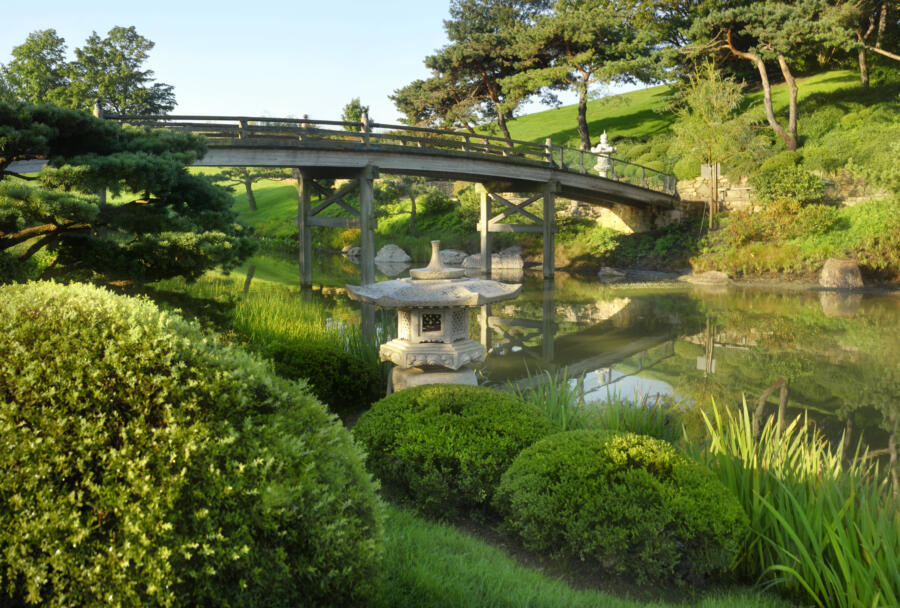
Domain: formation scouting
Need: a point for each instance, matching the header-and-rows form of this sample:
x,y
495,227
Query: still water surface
x,y
840,353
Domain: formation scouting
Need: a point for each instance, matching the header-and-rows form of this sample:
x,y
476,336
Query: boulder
x,y
352,252
347,248
840,274
453,257
392,269
392,253
499,261
514,250
710,277
610,275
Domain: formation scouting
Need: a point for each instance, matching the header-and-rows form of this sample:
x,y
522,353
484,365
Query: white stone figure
x,y
604,162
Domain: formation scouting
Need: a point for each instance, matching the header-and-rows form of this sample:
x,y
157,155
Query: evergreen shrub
x,y
624,502
338,377
446,446
144,463
789,182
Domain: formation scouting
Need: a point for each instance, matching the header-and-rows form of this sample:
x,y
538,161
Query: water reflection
x,y
838,356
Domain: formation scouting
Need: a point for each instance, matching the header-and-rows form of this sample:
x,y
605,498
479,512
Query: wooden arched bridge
x,y
317,149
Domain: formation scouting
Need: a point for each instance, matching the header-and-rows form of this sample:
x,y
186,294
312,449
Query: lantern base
x,y
425,354
401,379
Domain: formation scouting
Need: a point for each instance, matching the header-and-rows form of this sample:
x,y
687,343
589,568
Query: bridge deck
x,y
341,149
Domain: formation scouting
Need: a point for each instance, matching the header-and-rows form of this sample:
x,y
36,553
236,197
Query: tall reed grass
x,y
552,394
825,529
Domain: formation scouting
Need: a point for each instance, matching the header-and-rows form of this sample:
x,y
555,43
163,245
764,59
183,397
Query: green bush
x,y
788,182
446,446
687,168
336,376
143,463
625,503
786,159
434,203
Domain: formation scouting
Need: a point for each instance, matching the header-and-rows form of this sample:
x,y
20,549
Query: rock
x,y
610,275
392,253
840,274
453,257
499,261
347,248
710,277
392,269
514,250
352,252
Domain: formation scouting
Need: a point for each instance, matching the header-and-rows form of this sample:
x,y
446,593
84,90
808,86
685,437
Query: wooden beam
x,y
303,227
514,208
485,229
549,225
518,228
335,222
367,225
337,197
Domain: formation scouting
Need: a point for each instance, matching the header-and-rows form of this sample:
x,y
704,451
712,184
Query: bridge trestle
x,y
546,224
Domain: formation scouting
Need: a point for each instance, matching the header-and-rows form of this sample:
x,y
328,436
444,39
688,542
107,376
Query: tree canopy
x,y
110,69
161,221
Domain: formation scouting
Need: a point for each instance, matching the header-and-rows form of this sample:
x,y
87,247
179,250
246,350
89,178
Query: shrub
x,y
687,168
789,182
786,159
445,446
336,376
143,463
624,502
814,220
434,203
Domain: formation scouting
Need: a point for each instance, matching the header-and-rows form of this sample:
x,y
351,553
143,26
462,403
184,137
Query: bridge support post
x,y
550,189
304,227
367,225
484,321
548,327
485,229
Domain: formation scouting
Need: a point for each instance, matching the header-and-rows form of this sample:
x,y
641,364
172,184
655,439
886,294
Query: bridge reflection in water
x,y
522,346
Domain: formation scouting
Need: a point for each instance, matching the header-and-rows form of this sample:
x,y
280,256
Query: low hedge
x,y
628,503
143,463
337,377
446,446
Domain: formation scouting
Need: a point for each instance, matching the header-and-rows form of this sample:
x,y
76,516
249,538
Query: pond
x,y
839,353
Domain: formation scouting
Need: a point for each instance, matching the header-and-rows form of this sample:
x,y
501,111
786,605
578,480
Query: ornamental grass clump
x,y
624,503
143,463
826,529
445,446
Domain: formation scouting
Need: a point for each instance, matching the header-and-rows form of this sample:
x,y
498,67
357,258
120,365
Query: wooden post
x,y
547,326
484,314
367,225
304,228
548,150
98,113
368,321
484,228
550,189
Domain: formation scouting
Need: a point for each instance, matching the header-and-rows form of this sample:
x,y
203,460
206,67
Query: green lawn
x,y
433,565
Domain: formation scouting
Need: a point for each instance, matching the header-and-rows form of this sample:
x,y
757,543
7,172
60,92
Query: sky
x,y
259,57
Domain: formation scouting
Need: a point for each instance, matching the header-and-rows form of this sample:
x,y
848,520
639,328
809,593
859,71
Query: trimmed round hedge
x,y
337,377
144,463
445,446
629,503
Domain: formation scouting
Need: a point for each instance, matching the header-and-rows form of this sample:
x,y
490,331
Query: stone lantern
x,y
604,162
433,344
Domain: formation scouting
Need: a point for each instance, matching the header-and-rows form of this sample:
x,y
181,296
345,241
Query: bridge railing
x,y
290,132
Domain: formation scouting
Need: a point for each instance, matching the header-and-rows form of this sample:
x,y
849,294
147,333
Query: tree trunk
x,y
789,142
501,122
793,142
248,186
863,68
583,132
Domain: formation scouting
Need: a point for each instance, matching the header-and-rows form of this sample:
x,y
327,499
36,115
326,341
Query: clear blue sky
x,y
262,57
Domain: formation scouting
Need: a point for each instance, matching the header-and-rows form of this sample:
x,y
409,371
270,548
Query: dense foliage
x,y
787,183
337,376
446,446
105,70
145,464
625,503
163,221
